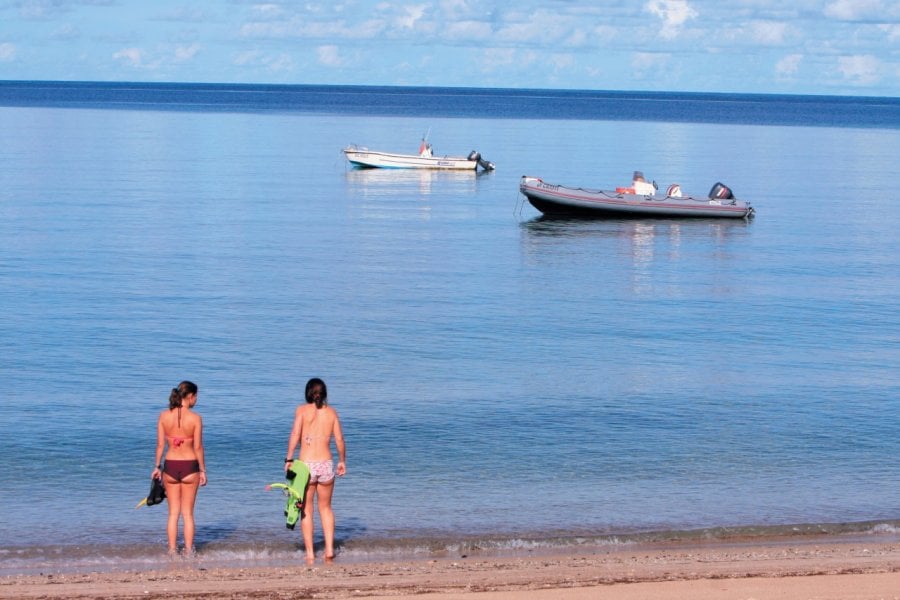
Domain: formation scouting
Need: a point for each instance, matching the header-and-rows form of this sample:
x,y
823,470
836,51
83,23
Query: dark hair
x,y
184,389
316,392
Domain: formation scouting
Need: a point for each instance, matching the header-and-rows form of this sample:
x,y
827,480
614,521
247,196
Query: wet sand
x,y
785,569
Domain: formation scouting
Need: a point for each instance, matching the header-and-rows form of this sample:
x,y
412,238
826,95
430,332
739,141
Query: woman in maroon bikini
x,y
181,429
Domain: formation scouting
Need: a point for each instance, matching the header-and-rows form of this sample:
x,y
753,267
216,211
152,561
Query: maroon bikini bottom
x,y
179,469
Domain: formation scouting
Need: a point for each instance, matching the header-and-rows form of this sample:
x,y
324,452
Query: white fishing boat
x,y
364,158
641,199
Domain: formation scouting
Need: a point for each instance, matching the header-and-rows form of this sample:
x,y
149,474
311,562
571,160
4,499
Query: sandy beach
x,y
823,570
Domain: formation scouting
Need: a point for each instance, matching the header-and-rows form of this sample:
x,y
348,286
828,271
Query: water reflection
x,y
644,258
393,182
409,193
642,239
567,227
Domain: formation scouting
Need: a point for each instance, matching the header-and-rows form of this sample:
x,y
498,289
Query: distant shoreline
x,y
425,88
462,102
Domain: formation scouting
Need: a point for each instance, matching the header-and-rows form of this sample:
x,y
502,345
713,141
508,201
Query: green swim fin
x,y
295,489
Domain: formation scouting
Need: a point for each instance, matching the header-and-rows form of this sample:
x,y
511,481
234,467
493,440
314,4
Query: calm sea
x,y
507,382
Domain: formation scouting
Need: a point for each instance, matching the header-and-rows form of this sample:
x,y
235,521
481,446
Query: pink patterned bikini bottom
x,y
320,471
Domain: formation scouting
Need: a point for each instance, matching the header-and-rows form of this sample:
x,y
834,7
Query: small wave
x,y
886,528
256,552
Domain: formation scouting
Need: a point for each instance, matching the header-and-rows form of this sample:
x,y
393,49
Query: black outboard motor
x,y
720,191
484,164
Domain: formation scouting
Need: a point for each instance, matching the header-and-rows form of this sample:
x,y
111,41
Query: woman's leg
x,y
326,516
173,499
306,524
189,486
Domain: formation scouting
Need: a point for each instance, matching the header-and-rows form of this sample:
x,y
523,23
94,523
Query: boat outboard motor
x,y
720,191
484,164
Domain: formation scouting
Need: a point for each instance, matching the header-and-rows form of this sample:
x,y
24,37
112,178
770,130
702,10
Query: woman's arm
x,y
294,438
198,449
160,447
341,447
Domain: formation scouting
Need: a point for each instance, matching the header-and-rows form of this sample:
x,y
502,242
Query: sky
x,y
843,47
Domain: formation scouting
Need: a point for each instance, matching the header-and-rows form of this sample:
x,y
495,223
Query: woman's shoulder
x,y
186,416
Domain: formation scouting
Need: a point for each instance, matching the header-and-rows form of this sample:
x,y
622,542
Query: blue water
x,y
505,380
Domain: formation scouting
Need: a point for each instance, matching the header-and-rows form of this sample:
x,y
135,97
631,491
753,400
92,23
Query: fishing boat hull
x,y
554,199
370,159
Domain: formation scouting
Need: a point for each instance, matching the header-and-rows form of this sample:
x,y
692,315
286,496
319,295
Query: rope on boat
x,y
520,204
587,190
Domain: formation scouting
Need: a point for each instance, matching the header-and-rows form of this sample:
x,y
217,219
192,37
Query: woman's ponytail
x,y
175,399
178,394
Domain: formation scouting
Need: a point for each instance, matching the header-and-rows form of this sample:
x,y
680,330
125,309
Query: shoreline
x,y
823,567
285,551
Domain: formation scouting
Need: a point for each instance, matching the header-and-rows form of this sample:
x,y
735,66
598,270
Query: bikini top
x,y
175,440
178,441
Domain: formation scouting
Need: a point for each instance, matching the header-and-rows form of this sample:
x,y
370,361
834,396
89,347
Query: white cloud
x,y
273,63
646,61
409,16
66,33
303,28
131,56
458,10
855,10
859,69
248,58
185,53
577,38
892,31
7,52
674,14
330,56
768,33
789,65
268,11
161,57
42,9
182,15
502,59
604,32
471,31
453,21
257,29
541,27
561,61
280,63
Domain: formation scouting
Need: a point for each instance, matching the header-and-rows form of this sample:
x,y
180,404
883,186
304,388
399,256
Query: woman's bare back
x,y
180,427
317,427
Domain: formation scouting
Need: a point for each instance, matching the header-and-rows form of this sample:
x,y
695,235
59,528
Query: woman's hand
x,y
341,468
156,474
202,478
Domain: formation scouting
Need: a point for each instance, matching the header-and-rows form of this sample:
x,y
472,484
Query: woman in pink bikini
x,y
181,429
315,424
